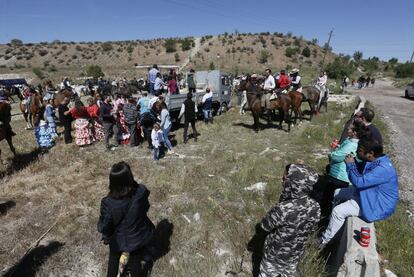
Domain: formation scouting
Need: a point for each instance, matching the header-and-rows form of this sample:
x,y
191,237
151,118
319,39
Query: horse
x,y
5,128
63,93
296,97
311,95
254,94
33,114
13,91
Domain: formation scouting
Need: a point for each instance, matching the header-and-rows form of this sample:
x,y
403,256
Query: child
x,y
156,137
50,118
123,221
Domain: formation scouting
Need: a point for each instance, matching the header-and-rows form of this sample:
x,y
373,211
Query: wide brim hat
x,y
295,70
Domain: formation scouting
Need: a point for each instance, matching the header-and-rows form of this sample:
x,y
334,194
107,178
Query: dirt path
x,y
193,52
398,114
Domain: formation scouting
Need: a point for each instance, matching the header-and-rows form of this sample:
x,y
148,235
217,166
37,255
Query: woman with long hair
x,y
83,133
123,220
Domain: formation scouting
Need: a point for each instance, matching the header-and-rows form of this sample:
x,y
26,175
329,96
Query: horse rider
x,y
321,84
66,83
5,118
269,86
283,83
27,97
295,79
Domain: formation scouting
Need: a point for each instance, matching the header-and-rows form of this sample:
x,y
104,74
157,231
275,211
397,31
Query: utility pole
x,y
412,56
326,49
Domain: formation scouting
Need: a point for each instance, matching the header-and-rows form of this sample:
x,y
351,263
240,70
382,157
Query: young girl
x,y
50,118
156,137
123,221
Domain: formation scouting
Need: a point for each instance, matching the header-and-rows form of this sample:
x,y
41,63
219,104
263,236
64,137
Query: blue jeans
x,y
165,133
151,88
207,114
156,154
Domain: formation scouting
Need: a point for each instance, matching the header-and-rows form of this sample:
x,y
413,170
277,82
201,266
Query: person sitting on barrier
x,y
366,115
290,222
269,86
373,195
337,177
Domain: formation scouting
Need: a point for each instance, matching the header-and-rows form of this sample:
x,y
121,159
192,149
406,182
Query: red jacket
x,y
93,111
283,81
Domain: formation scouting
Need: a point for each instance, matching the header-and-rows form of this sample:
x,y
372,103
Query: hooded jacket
x,y
338,166
377,187
124,222
289,223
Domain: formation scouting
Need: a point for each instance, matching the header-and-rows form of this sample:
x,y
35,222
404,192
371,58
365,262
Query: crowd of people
x,y
360,181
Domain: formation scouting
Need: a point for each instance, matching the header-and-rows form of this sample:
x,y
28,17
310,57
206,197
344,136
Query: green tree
x,y
177,57
186,44
338,69
130,49
170,45
16,42
211,66
264,56
357,56
94,71
290,52
306,52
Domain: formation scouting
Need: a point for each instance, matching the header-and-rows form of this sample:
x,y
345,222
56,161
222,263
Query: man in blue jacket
x,y
373,195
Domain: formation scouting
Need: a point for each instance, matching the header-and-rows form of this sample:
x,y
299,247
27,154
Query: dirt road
x,y
398,114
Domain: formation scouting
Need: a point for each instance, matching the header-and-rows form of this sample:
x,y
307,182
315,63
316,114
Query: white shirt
x,y
152,101
269,83
158,83
206,96
322,80
297,80
156,137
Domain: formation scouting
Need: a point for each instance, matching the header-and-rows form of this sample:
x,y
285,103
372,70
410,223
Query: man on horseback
x,y
283,83
295,79
269,86
321,84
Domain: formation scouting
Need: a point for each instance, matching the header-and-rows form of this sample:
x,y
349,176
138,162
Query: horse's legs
x,y
256,121
10,142
312,109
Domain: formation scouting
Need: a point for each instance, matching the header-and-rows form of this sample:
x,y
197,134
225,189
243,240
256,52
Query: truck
x,y
217,81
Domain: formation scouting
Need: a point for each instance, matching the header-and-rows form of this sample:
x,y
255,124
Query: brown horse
x,y
5,128
33,114
254,93
311,95
63,93
296,97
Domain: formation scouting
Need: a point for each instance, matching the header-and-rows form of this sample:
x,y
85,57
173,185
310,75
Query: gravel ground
x,y
397,112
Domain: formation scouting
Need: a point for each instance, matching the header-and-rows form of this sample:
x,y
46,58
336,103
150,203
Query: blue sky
x,y
377,28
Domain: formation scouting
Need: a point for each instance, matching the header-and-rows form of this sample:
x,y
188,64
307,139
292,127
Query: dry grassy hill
x,y
238,53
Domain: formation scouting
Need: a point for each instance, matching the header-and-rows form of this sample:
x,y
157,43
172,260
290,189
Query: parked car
x,y
409,91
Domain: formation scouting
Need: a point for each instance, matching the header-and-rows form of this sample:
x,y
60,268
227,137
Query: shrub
x,y
130,49
404,70
177,57
338,68
211,66
170,45
38,72
296,42
306,52
290,52
95,71
43,52
106,46
264,56
207,49
186,44
52,68
79,48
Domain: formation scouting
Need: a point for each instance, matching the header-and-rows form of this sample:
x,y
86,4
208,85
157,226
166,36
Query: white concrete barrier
x,y
352,258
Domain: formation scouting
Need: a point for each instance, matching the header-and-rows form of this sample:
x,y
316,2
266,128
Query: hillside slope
x,y
237,53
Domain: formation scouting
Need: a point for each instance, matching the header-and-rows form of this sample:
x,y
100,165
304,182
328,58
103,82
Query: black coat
x,y
124,222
